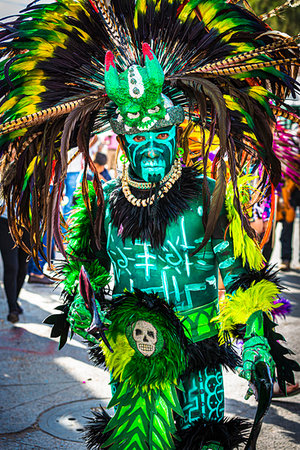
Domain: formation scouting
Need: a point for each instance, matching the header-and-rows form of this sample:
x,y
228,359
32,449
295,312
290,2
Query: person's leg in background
x,y
33,269
36,275
287,229
286,244
10,270
70,186
22,266
268,247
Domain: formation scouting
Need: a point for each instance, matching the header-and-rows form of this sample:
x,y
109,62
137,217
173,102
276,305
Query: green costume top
x,y
187,281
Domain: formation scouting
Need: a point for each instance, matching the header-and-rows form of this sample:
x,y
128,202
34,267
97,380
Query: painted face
x,y
152,153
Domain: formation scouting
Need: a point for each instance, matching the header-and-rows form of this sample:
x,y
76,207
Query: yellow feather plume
x,y
237,308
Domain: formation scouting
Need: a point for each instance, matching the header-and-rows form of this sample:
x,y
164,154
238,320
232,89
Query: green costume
x,y
76,67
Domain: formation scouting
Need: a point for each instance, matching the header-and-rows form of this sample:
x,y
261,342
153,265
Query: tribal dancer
x,y
75,67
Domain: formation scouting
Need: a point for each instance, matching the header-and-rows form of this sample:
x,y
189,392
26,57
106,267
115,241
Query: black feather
x,y
284,366
94,431
229,433
245,280
137,223
96,355
60,324
210,354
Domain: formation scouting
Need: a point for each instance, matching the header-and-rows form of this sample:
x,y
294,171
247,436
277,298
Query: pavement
x,y
46,394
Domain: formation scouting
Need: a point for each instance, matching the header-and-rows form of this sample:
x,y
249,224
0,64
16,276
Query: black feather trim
x,y
245,280
284,366
238,331
68,298
209,354
96,355
229,432
60,324
59,321
142,223
94,431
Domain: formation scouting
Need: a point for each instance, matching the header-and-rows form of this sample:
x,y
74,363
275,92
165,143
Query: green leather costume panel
x,y
182,279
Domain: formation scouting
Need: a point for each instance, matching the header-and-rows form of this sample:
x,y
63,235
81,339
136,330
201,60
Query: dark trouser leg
x,y
286,241
10,265
267,250
23,264
22,258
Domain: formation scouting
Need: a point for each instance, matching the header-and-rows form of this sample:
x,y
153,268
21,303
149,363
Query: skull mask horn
x,y
111,77
154,70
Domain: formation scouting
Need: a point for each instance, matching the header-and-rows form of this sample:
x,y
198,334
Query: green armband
x,y
254,325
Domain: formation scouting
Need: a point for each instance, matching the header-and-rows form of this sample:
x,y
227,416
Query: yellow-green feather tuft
x,y
243,245
237,308
123,352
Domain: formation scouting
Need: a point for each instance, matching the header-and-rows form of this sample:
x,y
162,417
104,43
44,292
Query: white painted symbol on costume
x,y
188,288
227,263
176,289
200,211
204,265
186,247
174,259
212,281
228,279
221,247
147,265
165,285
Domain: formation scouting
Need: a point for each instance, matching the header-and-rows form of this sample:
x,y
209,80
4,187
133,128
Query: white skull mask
x,y
145,336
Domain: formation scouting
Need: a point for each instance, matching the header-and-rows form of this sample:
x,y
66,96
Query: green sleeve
x,y
222,243
82,250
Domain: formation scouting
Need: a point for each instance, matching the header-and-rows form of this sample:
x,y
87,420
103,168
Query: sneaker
x,y
35,279
13,317
285,266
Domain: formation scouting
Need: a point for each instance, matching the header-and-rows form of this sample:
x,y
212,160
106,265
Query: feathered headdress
x,y
228,71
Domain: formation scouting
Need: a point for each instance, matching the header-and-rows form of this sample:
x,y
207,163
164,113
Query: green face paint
x,y
151,154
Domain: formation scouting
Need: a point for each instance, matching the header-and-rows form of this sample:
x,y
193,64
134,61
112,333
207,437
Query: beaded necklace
x,y
165,185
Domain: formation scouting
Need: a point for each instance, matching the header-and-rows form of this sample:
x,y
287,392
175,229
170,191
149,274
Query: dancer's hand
x,y
80,319
256,349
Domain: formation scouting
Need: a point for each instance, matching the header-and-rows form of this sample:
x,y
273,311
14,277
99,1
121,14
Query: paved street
x,y
45,393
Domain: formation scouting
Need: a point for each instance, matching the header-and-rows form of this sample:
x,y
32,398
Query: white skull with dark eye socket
x,y
145,336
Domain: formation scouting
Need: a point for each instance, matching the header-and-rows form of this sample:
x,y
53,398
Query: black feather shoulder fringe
x,y
94,435
59,321
285,367
209,354
229,433
96,355
245,280
149,224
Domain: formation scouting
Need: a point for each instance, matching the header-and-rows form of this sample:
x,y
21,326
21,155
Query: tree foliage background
x,y
288,22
